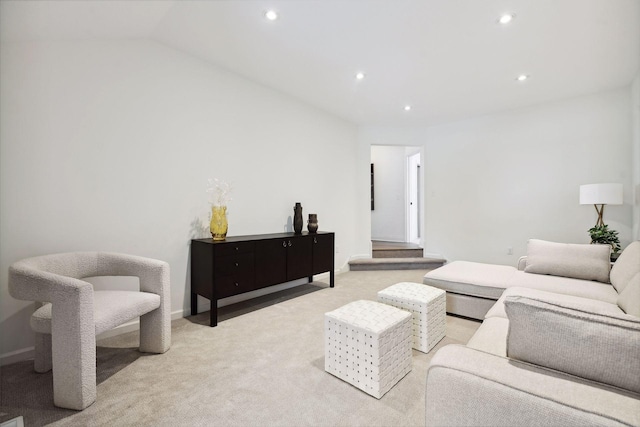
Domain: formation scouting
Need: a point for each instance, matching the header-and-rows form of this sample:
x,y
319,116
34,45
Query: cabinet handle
x,y
315,240
289,243
237,264
237,284
237,248
284,244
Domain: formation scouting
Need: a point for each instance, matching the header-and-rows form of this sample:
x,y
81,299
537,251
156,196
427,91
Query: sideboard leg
x,y
331,278
213,315
194,303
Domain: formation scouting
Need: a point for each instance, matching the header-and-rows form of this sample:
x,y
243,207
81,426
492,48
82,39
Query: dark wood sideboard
x,y
239,264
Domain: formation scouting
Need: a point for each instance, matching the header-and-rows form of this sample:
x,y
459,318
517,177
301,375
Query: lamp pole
x,y
600,211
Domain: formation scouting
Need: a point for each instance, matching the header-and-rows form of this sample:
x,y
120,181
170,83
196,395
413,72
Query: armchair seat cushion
x,y
110,308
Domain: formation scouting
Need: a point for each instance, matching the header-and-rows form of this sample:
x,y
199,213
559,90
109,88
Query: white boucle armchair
x,y
73,314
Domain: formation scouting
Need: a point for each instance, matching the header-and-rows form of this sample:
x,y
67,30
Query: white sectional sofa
x,y
556,346
473,287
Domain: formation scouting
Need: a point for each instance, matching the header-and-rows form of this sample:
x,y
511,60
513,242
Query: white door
x,y
413,189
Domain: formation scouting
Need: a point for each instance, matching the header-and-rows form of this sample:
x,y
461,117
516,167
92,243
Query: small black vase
x,y
312,226
297,218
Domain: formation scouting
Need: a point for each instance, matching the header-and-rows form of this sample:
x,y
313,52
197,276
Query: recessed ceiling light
x,y
522,77
407,108
360,76
506,18
271,15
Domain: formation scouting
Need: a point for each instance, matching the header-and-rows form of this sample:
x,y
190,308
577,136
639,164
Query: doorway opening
x,y
397,217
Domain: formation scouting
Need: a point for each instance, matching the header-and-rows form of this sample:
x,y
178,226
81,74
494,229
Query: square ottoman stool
x,y
368,345
428,307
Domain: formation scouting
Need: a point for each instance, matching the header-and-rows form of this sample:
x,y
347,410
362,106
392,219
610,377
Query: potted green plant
x,y
602,235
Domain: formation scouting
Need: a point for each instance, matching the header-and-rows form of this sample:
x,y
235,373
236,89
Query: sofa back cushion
x,y
598,346
629,298
587,262
626,266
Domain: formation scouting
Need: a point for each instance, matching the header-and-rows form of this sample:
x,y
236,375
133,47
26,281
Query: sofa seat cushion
x,y
588,304
490,280
471,278
571,338
470,387
566,286
491,336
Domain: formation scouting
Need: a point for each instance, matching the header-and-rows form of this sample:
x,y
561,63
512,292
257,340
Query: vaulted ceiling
x,y
446,59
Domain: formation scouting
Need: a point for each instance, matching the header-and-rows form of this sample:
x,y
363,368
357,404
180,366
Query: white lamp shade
x,y
601,194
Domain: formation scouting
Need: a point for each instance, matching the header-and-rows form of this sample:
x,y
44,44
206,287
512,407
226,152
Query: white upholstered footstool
x,y
368,345
428,307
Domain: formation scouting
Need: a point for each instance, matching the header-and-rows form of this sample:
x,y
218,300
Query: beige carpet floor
x,y
263,365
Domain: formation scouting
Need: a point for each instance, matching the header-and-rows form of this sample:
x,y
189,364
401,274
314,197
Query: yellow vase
x,y
219,225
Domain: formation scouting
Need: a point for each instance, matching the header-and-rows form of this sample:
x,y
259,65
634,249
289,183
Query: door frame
x,y
413,205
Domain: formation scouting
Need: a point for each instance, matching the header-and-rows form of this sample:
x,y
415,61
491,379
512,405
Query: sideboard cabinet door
x,y
271,262
323,247
299,260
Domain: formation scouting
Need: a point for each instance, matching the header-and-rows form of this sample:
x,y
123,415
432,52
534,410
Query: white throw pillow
x,y
587,262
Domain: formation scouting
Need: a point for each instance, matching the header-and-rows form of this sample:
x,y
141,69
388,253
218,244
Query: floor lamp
x,y
601,194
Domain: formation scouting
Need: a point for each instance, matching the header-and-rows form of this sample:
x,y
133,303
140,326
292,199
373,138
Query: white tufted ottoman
x,y
428,307
368,345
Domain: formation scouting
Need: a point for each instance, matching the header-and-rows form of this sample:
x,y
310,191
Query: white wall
x,y
388,219
493,182
635,158
108,146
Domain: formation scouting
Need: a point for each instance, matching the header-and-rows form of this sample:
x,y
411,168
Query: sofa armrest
x,y
470,387
522,263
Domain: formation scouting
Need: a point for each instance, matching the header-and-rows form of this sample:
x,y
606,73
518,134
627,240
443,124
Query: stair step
x,y
369,264
397,253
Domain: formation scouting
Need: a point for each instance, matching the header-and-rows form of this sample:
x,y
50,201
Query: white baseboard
x,y
389,239
360,256
343,268
14,422
432,255
17,356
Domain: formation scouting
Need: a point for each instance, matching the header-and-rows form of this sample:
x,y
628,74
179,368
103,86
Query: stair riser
x,y
395,266
397,253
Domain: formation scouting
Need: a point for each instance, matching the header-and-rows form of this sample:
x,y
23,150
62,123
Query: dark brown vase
x,y
297,218
312,225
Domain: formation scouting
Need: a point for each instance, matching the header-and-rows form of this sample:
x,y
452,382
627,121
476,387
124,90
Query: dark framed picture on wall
x,y
372,204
